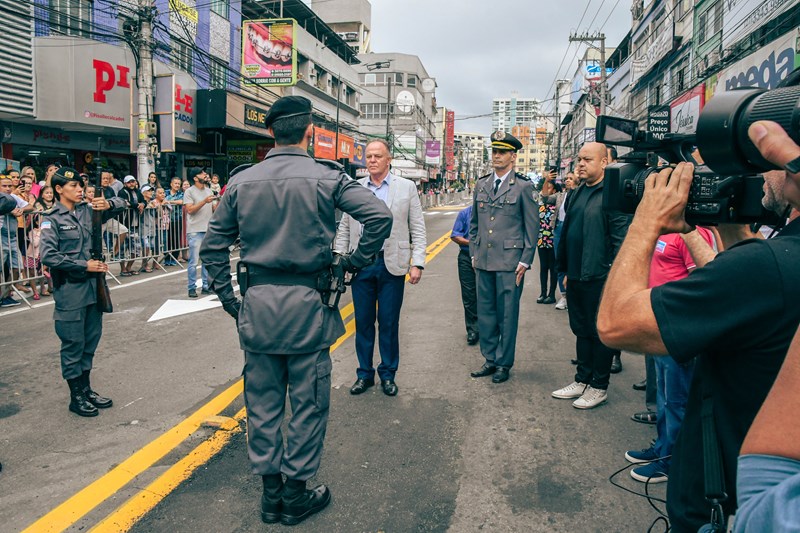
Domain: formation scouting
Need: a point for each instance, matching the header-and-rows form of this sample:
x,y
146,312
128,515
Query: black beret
x,y
505,141
288,106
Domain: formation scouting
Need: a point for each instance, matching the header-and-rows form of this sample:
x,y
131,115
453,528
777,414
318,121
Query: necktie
x,y
497,184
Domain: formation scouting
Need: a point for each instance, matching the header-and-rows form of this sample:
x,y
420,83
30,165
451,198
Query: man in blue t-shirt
x,y
466,274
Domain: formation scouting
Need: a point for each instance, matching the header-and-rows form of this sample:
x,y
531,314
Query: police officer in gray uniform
x,y
283,210
502,238
65,249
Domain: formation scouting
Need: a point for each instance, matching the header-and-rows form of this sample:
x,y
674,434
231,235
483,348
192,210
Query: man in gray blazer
x,y
383,282
502,239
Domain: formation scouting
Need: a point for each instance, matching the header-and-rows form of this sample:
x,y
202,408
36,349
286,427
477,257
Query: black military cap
x,y
288,106
68,173
505,141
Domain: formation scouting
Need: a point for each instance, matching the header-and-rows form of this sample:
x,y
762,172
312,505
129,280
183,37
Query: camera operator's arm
x,y
626,319
701,251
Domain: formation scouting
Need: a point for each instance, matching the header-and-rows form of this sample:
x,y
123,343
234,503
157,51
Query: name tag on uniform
x,y
67,227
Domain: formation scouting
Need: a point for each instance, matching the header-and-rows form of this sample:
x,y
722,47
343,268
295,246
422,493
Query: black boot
x,y
271,498
92,396
299,503
78,403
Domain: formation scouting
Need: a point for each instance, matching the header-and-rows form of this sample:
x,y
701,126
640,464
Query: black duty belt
x,y
263,276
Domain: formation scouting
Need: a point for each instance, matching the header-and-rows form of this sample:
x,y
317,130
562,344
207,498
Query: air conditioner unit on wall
x,y
713,59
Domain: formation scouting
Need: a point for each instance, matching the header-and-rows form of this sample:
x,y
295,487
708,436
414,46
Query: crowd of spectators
x,y
151,232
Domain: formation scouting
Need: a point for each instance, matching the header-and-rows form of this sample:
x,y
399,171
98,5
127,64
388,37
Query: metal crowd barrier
x,y
156,235
443,199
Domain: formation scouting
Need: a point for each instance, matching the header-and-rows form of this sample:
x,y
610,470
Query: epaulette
x,y
49,211
330,163
521,176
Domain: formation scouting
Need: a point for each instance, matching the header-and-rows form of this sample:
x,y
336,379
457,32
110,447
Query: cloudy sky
x,y
479,50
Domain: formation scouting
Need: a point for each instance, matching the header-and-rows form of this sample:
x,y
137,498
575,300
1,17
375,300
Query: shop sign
x,y
324,142
765,68
449,140
183,18
26,134
241,152
197,162
685,110
433,152
269,54
345,147
94,82
359,154
255,116
741,17
658,121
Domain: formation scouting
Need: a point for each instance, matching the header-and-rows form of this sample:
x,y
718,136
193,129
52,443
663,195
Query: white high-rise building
x,y
514,111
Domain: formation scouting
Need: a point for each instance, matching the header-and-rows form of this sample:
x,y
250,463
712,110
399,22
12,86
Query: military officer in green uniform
x,y
65,249
502,239
283,210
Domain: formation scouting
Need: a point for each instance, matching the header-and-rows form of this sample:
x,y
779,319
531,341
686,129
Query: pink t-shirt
x,y
671,258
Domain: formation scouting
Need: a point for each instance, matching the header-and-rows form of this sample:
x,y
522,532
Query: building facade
x,y
514,111
398,103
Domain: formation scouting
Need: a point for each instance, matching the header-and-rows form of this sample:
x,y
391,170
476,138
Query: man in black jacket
x,y
589,241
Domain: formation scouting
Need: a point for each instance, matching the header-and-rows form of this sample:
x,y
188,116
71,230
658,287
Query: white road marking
x,y
173,308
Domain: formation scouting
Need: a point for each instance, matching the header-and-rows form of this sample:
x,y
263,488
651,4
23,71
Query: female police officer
x,y
65,242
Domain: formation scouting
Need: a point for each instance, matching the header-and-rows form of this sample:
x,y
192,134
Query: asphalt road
x,y
449,453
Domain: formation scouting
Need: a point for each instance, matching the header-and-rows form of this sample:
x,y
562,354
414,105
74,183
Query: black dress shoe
x,y
540,299
642,385
616,365
361,385
472,338
486,370
389,387
500,376
549,300
573,361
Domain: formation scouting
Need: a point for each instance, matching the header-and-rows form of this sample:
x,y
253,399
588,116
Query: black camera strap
x,y
713,472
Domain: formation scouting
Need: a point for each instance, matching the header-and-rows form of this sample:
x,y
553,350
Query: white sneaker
x,y
573,390
591,398
562,303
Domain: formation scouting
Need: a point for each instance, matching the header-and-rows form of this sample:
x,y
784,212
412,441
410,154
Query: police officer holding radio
x,y
502,239
283,210
65,250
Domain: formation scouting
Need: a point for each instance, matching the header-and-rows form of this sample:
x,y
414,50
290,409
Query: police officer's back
x,y
283,211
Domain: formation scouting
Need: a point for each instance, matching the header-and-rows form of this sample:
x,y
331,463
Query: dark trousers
x,y
375,285
469,297
498,316
79,331
547,270
267,378
594,358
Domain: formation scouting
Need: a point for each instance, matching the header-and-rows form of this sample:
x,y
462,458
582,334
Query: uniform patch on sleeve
x,y
46,224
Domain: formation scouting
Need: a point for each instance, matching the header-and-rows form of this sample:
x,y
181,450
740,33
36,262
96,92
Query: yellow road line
x,y
136,507
74,508
95,493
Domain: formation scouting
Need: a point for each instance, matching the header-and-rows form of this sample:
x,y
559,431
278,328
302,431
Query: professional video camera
x,y
726,188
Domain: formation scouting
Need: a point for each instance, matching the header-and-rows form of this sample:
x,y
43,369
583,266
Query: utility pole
x,y
144,158
591,39
389,77
338,104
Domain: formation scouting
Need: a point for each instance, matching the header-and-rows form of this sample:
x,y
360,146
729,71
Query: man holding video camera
x,y
741,330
